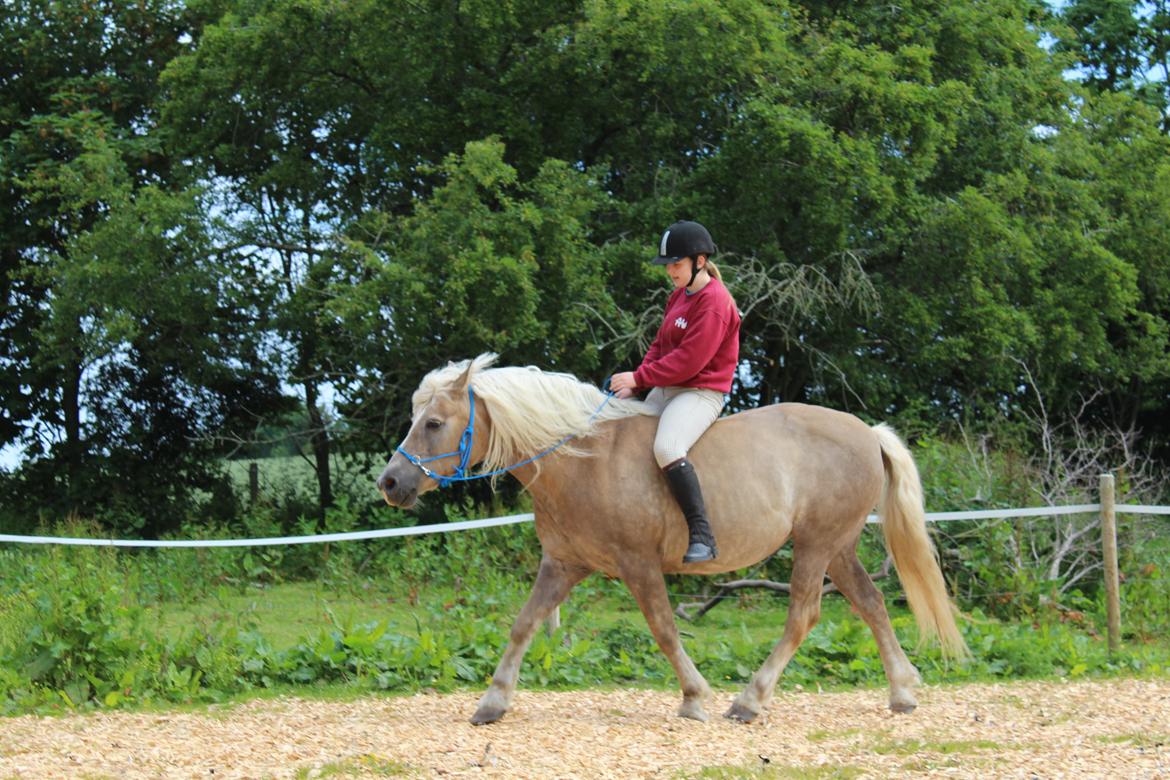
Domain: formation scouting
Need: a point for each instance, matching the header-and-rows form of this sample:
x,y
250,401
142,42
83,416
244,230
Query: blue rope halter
x,y
464,451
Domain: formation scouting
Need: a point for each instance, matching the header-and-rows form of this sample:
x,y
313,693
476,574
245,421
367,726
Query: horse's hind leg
x,y
804,610
649,589
854,582
553,582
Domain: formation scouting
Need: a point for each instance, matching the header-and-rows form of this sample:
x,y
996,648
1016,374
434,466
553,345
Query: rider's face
x,y
680,271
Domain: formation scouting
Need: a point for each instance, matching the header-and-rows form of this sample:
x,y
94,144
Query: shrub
x,y
83,637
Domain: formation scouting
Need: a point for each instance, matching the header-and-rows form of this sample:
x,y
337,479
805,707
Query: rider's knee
x,y
667,452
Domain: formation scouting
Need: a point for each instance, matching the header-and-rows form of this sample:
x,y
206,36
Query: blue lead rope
x,y
464,451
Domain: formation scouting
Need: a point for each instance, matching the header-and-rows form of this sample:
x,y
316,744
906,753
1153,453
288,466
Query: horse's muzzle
x,y
395,492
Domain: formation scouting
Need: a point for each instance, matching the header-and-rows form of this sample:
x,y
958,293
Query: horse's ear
x,y
465,378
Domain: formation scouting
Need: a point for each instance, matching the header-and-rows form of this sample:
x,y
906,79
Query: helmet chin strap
x,y
694,271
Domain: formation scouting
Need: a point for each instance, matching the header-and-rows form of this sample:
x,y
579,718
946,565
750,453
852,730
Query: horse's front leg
x,y
644,579
553,582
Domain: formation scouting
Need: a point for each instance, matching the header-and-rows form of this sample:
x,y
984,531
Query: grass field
x,y
727,644
281,474
287,613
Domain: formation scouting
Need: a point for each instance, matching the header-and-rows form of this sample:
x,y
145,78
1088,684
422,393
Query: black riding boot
x,y
684,485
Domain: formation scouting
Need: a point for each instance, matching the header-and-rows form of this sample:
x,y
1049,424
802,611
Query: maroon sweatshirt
x,y
698,343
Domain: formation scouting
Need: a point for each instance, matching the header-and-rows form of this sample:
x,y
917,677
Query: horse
x,y
779,472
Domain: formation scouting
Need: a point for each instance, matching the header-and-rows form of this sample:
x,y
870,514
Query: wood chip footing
x,y
1107,729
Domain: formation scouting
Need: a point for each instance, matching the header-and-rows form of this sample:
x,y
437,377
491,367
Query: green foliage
x,y
80,636
1122,46
114,318
208,206
1145,599
490,262
87,628
217,212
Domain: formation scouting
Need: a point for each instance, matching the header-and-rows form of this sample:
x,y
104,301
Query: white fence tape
x,y
1141,509
491,522
1003,514
416,530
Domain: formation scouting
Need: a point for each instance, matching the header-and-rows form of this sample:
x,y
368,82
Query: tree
x,y
489,262
122,351
312,115
61,65
1122,46
266,108
140,305
909,200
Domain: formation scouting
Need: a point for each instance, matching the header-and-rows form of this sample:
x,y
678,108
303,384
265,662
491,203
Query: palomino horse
x,y
785,471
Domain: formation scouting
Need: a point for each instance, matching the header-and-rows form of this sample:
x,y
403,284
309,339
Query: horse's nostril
x,y
385,483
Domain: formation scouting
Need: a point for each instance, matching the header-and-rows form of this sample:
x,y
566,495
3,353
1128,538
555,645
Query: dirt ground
x,y
1116,728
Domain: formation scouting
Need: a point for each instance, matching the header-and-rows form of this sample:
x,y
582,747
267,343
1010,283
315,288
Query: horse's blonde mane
x,y
531,410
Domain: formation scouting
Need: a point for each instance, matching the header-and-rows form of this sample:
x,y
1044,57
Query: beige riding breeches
x,y
685,412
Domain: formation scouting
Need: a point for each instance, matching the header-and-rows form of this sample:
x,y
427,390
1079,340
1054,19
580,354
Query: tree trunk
x,y
71,420
319,440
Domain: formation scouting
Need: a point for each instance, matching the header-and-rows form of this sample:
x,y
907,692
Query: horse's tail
x,y
904,524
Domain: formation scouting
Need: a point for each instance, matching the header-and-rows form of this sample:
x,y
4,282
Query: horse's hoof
x,y
741,713
485,715
693,710
903,705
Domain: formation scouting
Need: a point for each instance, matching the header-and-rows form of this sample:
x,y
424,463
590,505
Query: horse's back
x,y
790,438
793,430
780,471
820,420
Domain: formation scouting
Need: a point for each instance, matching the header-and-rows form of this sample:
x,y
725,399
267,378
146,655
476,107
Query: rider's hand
x,y
623,382
625,393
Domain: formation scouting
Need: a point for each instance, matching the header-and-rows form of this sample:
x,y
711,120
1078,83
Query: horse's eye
x,y
434,424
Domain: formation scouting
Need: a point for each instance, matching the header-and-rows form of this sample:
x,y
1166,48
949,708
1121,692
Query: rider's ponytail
x,y
713,270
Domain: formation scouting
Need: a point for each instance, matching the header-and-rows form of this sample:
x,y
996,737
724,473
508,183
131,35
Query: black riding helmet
x,y
685,239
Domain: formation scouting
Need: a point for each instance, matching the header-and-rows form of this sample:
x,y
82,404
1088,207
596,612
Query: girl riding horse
x,y
690,366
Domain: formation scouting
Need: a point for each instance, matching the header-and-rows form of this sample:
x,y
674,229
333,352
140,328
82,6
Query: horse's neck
x,y
546,478
538,479
552,478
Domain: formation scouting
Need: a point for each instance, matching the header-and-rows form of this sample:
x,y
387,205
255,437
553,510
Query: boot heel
x,y
698,552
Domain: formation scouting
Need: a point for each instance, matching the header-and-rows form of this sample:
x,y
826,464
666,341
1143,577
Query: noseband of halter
x,y
465,442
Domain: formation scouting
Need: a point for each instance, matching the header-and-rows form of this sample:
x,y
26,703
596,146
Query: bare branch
x,y
726,588
1072,454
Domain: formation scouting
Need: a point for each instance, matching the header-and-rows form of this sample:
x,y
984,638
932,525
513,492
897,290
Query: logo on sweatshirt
x,y
681,322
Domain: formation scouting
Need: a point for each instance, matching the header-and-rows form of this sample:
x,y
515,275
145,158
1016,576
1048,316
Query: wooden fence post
x,y
254,482
1109,550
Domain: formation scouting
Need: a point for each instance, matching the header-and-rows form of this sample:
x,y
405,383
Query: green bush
x,y
1145,595
82,636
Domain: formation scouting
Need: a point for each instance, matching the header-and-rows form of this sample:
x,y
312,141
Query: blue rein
x,y
464,451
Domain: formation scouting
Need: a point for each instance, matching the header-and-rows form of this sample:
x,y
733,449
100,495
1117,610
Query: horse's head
x,y
444,436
